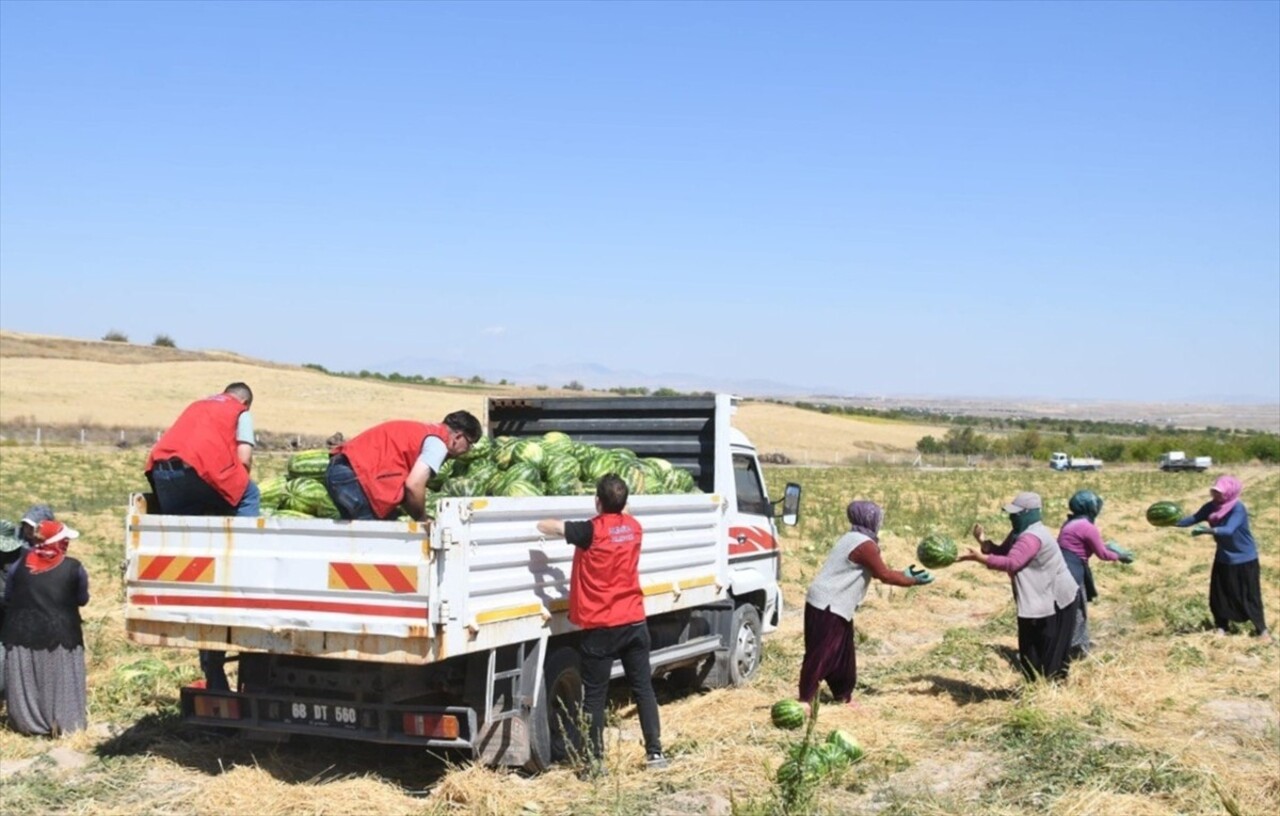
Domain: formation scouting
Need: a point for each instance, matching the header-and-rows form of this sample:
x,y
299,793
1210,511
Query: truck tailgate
x,y
296,586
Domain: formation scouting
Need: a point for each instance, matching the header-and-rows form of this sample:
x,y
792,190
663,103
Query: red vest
x,y
383,456
204,436
604,588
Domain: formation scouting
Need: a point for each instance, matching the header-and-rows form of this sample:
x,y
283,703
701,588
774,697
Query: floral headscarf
x,y
1229,488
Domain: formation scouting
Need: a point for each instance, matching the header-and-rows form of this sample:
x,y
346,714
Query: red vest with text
x,y
383,456
204,436
604,588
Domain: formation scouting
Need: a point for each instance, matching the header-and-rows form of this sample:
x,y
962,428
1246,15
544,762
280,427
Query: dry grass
x,y
1160,715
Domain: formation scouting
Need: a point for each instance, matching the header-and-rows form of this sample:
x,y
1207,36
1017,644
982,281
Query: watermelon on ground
x,y
787,713
846,743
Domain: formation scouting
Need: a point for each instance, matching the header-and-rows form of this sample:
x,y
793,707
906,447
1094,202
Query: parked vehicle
x,y
1061,461
455,634
1177,460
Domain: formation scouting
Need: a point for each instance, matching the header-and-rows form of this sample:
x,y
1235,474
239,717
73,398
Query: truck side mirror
x,y
791,504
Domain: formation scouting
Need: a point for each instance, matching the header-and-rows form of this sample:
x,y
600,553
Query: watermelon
x,y
787,713
273,492
796,771
557,467
461,486
483,474
636,478
482,448
307,495
936,551
562,487
520,488
527,450
309,463
678,481
503,449
598,466
292,514
1163,514
846,743
556,442
833,757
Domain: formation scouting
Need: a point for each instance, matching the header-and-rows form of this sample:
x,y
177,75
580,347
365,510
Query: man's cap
x,y
1023,501
51,532
37,513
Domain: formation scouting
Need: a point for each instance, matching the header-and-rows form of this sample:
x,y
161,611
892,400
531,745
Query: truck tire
x,y
738,663
558,715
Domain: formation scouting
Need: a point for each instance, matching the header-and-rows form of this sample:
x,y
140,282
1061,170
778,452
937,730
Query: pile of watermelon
x,y
550,465
810,762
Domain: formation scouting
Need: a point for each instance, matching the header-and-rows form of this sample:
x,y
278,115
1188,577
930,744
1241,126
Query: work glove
x,y
918,575
1125,556
1202,531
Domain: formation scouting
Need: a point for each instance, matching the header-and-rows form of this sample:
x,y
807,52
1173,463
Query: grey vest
x,y
1045,580
841,584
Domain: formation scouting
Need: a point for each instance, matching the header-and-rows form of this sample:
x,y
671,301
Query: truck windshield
x,y
746,478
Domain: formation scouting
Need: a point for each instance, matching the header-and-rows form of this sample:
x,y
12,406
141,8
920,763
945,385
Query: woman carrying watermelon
x,y
1235,587
1043,589
836,592
1079,539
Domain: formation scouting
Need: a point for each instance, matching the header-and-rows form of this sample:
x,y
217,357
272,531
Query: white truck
x,y
1061,461
455,634
1177,460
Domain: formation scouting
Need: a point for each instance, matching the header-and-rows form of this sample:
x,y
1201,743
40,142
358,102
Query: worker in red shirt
x,y
605,601
371,476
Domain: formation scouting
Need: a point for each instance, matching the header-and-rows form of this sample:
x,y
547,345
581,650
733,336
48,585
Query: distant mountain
x,y
596,376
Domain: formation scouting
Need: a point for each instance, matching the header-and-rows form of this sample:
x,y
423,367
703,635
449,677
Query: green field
x,y
1165,718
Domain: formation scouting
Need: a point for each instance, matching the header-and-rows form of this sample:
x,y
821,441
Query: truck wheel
x,y
558,718
738,663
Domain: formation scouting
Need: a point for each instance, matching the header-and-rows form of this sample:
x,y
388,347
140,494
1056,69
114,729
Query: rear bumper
x,y
283,713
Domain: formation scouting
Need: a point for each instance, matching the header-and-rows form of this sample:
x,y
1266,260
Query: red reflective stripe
x,y
156,568
350,575
398,580
195,569
273,603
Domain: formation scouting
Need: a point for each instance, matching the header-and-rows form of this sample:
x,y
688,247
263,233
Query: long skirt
x,y
1079,569
1235,594
829,654
45,689
1044,644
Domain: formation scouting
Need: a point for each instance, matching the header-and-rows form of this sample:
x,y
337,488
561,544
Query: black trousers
x,y
1235,594
599,648
1044,644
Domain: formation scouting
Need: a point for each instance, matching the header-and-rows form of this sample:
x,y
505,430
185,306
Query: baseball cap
x,y
1023,501
51,532
37,513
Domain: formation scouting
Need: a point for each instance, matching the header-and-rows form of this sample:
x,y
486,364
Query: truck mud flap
x,y
430,726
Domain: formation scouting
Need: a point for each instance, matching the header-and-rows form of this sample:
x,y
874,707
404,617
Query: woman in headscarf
x,y
1235,585
1043,589
835,594
1080,540
16,541
43,640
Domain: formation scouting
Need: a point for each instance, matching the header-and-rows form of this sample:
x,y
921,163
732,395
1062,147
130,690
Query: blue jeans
x,y
181,492
345,490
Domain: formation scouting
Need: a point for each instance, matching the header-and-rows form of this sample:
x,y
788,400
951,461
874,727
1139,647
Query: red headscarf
x,y
52,538
1228,487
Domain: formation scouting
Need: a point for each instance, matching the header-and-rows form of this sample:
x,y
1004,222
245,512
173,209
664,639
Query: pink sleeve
x,y
1095,545
1020,554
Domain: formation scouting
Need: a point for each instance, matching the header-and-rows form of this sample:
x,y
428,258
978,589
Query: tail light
x,y
218,708
440,726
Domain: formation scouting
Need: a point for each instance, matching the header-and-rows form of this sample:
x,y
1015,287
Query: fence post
x,y
82,436
37,437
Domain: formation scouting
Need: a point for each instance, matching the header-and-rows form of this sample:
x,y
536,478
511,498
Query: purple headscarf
x,y
1229,488
865,517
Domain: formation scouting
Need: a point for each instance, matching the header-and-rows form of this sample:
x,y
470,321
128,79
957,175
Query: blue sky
x,y
990,199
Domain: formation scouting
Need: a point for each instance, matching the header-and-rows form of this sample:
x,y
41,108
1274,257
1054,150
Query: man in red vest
x,y
200,467
372,475
605,601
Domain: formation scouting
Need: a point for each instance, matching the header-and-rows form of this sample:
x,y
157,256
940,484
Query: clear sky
x,y
988,199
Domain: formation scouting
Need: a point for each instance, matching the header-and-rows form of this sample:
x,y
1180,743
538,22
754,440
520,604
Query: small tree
x,y
574,385
116,336
164,340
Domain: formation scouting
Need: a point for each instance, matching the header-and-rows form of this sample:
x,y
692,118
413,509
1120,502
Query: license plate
x,y
323,715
